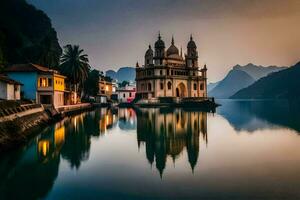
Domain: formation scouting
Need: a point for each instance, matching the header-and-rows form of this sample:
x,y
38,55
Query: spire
x,y
137,64
149,46
191,37
159,37
181,51
172,40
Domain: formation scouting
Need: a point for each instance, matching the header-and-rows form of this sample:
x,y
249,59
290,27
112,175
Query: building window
x,y
149,87
129,94
161,86
160,72
195,86
124,95
50,82
201,86
169,85
168,72
43,82
172,72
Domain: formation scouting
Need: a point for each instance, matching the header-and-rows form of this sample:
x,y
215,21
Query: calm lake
x,y
246,150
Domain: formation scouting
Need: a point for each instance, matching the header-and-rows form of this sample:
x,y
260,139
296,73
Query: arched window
x,y
142,86
149,87
195,86
161,86
169,85
201,86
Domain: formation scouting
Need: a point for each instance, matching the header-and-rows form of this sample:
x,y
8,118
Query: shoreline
x,y
19,128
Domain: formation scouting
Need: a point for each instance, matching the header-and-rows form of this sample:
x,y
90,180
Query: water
x,y
247,150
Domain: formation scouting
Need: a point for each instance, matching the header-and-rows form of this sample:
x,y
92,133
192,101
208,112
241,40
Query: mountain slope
x,y
123,74
233,82
26,35
258,72
282,84
211,86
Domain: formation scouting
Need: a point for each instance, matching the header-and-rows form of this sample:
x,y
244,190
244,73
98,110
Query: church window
x,y
169,85
161,86
201,86
195,86
149,87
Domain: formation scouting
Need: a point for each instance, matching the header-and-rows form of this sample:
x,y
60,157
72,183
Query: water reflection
x,y
94,145
167,133
256,115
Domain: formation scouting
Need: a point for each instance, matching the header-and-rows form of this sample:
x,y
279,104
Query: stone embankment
x,y
20,123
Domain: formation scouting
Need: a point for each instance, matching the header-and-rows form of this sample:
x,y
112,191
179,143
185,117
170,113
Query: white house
x,y
126,94
9,89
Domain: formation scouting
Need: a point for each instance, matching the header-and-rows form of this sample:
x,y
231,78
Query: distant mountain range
x,y
123,74
282,84
258,72
238,78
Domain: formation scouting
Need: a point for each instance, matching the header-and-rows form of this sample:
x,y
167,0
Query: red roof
x,y
5,79
28,68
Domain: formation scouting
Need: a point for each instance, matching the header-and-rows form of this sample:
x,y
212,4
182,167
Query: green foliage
x,y
26,35
91,85
123,84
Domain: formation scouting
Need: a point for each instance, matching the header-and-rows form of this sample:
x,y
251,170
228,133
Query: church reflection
x,y
169,133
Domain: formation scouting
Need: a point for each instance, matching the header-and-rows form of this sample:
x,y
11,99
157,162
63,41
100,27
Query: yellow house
x,y
105,90
51,88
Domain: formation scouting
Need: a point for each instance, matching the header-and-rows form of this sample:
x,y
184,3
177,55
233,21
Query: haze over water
x,y
247,149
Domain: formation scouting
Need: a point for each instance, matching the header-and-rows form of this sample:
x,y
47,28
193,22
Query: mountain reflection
x,y
254,115
168,133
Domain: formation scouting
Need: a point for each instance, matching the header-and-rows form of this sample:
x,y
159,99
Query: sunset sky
x,y
116,33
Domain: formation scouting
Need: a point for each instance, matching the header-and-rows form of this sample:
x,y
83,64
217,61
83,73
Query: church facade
x,y
167,73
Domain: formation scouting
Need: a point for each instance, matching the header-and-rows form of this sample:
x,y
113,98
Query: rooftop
x,y
5,79
29,67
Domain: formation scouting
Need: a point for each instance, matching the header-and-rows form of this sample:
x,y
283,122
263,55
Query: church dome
x,y
191,43
149,52
159,44
172,49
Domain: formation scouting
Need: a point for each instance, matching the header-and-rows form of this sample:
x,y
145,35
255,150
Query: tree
x,y
123,84
75,65
91,85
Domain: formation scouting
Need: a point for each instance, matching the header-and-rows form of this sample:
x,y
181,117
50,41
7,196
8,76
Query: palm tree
x,y
74,65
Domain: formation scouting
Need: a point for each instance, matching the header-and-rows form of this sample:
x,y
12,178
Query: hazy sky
x,y
116,33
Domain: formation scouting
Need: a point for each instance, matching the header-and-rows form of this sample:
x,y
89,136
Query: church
x,y
167,73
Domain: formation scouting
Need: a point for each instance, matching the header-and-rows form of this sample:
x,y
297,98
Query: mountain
x,y
26,35
211,86
233,82
282,84
123,74
258,72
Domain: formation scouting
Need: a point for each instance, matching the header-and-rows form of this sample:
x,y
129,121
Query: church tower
x,y
159,51
192,54
149,57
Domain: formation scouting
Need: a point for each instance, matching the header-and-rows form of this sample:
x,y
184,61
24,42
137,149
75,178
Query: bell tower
x,y
192,54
